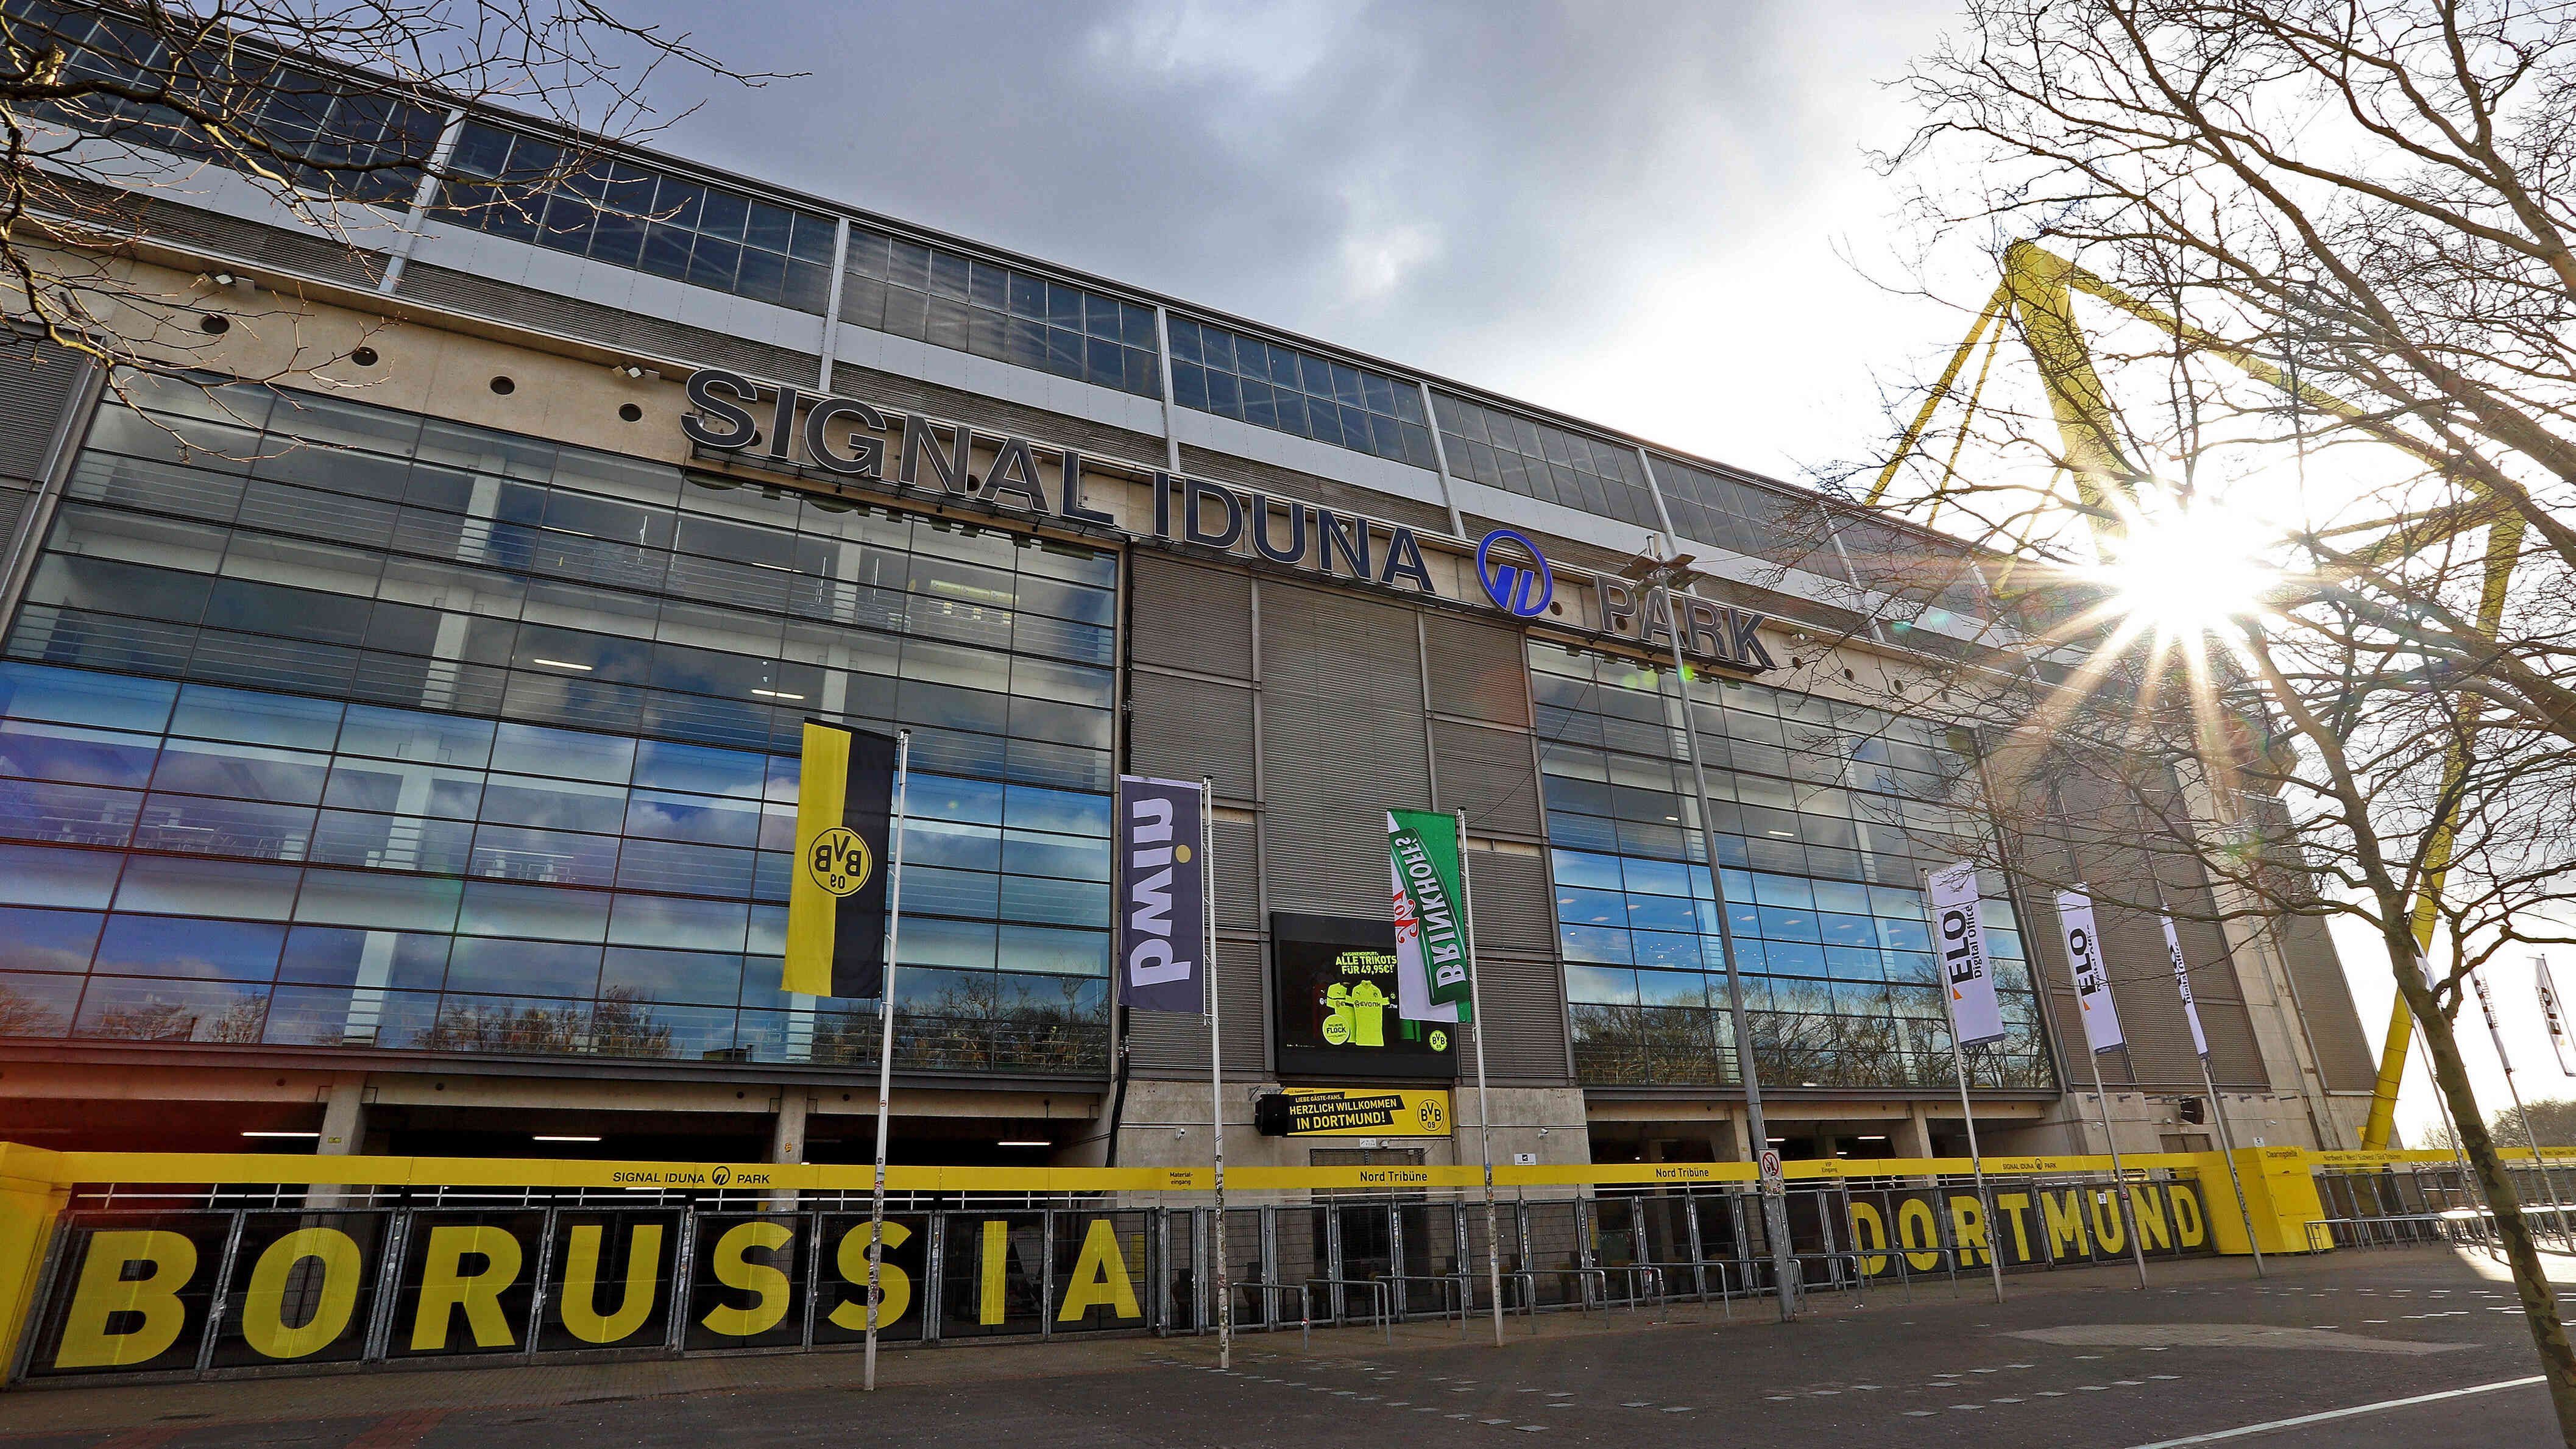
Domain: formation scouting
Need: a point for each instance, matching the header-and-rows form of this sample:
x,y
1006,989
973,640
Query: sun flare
x,y
2188,571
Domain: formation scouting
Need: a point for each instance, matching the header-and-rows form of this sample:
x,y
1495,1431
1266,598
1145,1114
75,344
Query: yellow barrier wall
x,y
35,1184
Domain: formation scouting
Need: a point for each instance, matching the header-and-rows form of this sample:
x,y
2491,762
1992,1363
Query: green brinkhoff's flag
x,y
1430,916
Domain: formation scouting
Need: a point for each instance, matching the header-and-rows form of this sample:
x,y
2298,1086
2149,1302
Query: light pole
x,y
1658,573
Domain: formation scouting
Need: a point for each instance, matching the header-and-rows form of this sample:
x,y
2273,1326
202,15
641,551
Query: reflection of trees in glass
x,y
623,1025
620,1024
178,1021
1620,1045
972,1027
22,1015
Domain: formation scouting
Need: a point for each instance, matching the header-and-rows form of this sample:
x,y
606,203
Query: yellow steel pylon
x,y
2037,294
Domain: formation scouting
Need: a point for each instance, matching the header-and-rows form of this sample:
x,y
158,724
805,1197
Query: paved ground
x,y
2071,1359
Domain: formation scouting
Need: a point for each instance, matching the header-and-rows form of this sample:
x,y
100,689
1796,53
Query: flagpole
x,y
1216,1066
1484,1103
2217,1110
885,1040
2227,1150
2530,1134
2424,1057
1976,1158
2102,1098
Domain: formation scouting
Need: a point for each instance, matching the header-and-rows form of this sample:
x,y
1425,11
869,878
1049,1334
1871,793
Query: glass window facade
x,y
636,216
1217,370
970,305
1827,816
1542,461
324,724
364,146
1712,508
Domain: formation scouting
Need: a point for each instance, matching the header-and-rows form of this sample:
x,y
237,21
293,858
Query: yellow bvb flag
x,y
836,898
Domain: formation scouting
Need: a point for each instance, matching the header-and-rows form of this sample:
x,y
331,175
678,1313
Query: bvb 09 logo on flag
x,y
839,861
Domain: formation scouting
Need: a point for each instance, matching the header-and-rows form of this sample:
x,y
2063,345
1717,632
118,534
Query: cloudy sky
x,y
1635,213
1658,216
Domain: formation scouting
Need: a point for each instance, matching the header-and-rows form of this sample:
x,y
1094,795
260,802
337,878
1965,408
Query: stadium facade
x,y
398,754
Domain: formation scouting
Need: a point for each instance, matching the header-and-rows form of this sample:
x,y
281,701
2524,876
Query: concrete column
x,y
1914,1134
344,1119
344,1132
1736,1136
787,1139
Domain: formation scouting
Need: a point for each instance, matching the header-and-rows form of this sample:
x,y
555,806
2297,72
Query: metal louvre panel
x,y
1478,670
1238,875
1341,743
1515,906
609,326
2343,1052
1038,424
2037,911
1341,497
1524,1001
1185,616
38,380
1489,774
1186,729
2344,1057
2133,945
1559,550
13,516
2235,1059
2133,949
188,228
1171,1045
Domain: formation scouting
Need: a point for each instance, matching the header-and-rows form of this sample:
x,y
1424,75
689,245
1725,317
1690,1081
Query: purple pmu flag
x,y
1162,894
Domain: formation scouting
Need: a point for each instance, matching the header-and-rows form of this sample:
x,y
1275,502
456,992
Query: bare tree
x,y
2298,277
332,110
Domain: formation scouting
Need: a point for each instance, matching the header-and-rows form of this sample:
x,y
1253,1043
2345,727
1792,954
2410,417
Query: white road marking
x,y
2332,1414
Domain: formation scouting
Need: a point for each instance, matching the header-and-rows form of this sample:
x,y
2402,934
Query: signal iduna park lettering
x,y
847,441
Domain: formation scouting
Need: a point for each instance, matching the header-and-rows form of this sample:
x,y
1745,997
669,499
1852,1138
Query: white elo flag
x,y
2182,982
2551,1012
2092,979
1958,916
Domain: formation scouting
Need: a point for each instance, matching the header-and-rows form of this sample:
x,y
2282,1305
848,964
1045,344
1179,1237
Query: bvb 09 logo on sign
x,y
839,861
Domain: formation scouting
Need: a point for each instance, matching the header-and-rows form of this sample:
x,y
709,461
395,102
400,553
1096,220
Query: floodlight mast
x,y
2037,296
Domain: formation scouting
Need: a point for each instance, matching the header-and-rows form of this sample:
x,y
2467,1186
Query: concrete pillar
x,y
344,1119
1914,1134
787,1139
344,1131
1738,1137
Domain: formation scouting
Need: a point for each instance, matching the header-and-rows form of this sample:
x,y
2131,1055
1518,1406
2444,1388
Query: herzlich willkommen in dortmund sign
x,y
836,896
1430,919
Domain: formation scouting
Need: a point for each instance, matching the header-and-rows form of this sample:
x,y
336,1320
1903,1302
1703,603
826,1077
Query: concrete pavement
x,y
2073,1358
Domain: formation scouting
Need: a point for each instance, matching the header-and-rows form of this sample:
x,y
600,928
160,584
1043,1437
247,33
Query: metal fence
x,y
2409,1203
174,1281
